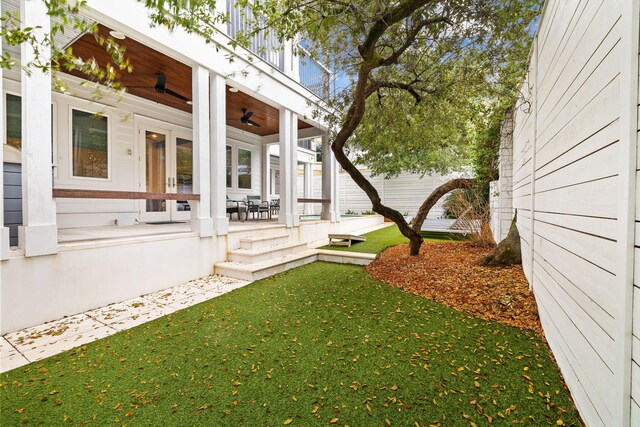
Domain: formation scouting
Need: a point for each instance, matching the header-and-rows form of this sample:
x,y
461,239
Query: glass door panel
x,y
156,174
183,176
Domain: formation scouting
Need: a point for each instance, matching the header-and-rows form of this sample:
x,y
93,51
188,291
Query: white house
x,y
571,172
113,198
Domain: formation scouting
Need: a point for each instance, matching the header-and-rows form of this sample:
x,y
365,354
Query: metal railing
x,y
313,75
263,43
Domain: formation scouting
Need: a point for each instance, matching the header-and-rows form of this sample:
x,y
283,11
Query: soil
x,y
448,273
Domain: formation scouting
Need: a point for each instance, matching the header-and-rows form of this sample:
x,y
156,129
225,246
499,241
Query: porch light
x,y
233,89
189,102
117,35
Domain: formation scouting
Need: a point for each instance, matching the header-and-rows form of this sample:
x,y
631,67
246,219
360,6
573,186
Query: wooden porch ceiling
x,y
147,62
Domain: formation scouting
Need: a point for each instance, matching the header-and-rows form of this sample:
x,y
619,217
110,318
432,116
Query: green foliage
x,y
317,343
50,57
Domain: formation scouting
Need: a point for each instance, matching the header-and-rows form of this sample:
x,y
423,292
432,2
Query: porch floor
x,y
113,232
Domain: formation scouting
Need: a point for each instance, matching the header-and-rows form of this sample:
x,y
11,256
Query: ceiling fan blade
x,y
252,123
161,81
176,94
248,115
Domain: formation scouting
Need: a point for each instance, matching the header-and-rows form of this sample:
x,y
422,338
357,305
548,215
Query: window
x,y
319,153
244,169
14,120
228,166
305,143
90,145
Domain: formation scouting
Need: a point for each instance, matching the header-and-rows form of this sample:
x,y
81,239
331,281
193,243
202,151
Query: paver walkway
x,y
41,341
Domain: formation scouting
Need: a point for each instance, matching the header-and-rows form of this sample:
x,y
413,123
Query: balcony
x,y
264,44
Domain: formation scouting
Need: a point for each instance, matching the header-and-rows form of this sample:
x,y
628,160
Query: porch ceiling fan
x,y
246,118
161,87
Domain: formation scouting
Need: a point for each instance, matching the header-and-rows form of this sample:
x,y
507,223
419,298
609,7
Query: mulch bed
x,y
448,273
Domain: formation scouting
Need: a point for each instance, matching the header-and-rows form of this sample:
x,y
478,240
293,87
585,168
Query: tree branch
x,y
454,184
393,58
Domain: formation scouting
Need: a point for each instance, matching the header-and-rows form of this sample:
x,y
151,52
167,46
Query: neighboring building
x,y
574,165
106,199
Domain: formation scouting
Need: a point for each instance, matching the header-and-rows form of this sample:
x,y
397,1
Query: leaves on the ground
x,y
447,272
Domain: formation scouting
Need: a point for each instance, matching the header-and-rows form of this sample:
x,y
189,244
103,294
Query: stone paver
x,y
38,342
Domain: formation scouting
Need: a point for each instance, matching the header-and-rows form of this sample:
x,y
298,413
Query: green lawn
x,y
319,344
377,241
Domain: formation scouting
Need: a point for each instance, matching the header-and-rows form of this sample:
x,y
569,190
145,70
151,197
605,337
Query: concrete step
x,y
263,241
253,256
264,269
345,257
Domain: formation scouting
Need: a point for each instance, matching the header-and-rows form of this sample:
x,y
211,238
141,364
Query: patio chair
x,y
257,206
238,207
274,207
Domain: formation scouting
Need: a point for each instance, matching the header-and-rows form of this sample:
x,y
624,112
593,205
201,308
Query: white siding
x,y
126,152
405,193
567,137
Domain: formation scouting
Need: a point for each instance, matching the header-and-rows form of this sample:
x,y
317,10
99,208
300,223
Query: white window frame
x,y
4,115
230,166
109,144
54,127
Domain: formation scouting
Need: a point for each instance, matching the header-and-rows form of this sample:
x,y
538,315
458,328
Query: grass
x,y
379,240
323,344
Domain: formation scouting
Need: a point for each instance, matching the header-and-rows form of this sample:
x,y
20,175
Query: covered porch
x,y
172,150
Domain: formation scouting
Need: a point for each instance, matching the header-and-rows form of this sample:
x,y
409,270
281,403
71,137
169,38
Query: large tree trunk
x,y
454,184
508,251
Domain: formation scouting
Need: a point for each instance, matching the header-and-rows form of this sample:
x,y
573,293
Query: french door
x,y
166,166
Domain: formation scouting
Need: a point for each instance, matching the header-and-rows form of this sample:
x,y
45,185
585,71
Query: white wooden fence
x,y
574,172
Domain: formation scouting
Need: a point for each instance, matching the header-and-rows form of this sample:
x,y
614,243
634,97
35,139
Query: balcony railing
x,y
263,43
313,75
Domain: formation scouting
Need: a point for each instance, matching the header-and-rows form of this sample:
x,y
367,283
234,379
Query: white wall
x,y
567,136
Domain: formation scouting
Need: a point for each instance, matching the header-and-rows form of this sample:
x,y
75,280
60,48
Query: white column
x,y
293,155
39,234
266,172
4,231
287,59
218,155
329,185
295,64
288,168
308,187
201,221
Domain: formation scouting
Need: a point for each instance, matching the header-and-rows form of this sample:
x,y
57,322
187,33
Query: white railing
x,y
263,43
313,75
242,21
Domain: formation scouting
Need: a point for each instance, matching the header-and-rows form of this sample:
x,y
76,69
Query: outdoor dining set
x,y
252,205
